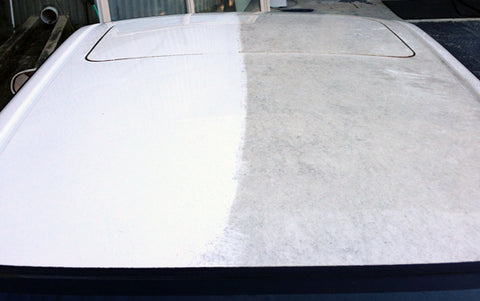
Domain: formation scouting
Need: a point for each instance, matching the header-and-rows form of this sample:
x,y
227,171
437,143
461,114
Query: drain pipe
x,y
49,15
11,14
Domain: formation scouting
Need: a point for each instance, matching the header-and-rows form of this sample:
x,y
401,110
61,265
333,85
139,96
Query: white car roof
x,y
242,140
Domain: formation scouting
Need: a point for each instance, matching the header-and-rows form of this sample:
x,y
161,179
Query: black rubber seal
x,y
243,280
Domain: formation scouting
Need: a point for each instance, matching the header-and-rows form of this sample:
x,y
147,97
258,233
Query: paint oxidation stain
x,y
353,161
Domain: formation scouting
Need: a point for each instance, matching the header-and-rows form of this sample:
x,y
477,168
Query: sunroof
x,y
198,35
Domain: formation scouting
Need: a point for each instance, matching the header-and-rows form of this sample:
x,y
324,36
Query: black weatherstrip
x,y
228,281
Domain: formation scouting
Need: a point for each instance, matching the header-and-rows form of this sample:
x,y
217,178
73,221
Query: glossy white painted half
x,y
129,163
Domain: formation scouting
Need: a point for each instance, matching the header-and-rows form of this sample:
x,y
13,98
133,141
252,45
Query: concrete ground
x,y
460,38
365,8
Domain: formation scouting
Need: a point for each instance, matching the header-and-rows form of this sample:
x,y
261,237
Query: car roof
x,y
242,140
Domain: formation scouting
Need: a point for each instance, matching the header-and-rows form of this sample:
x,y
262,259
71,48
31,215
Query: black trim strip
x,y
98,42
243,280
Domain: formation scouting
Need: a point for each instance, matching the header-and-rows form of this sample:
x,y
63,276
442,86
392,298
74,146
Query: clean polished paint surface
x,y
130,163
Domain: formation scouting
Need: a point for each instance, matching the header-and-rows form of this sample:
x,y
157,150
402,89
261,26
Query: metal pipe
x,y
11,14
264,5
49,15
190,6
19,79
104,11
